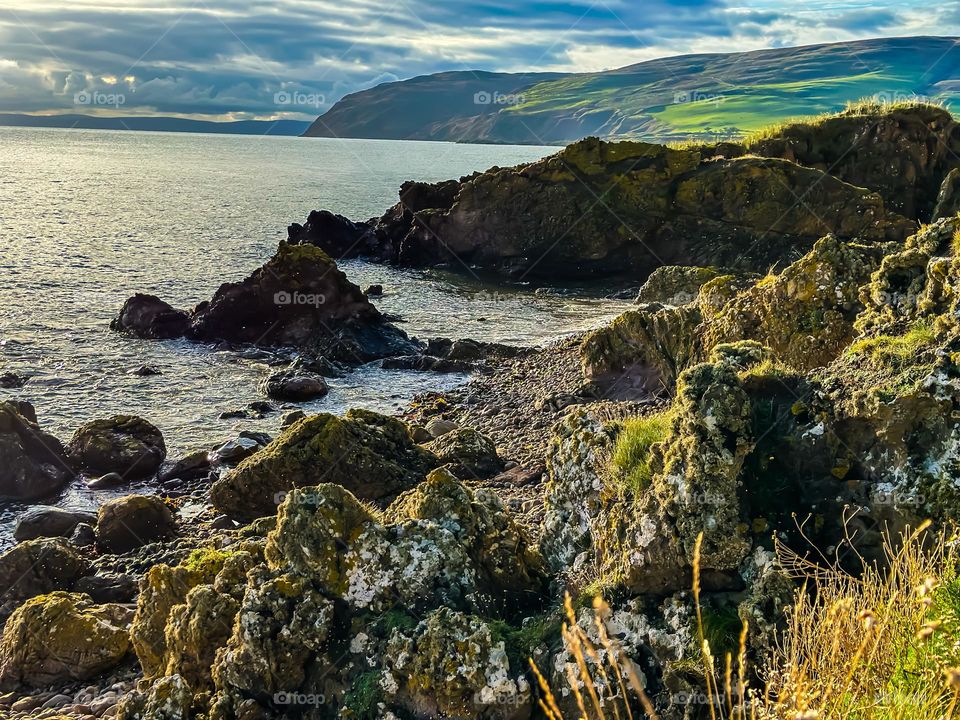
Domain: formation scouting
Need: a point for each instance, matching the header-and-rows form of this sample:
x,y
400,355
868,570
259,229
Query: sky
x,y
249,59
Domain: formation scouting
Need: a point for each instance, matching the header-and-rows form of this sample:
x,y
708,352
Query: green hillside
x,y
666,99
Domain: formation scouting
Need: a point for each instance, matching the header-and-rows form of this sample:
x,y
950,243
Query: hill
x,y
670,98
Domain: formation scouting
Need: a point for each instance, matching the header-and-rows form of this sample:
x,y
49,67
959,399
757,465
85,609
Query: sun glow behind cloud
x,y
230,58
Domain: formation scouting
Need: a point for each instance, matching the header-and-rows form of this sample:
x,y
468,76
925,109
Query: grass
x,y
896,351
880,645
631,454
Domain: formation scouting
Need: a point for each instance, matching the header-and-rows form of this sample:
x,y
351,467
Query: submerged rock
x,y
59,638
123,444
369,454
294,386
147,316
34,462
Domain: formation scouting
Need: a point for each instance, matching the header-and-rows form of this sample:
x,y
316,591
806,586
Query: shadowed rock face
x,y
297,299
599,208
33,464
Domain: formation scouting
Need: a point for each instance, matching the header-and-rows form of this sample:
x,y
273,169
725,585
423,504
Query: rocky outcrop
x,y
62,637
147,316
901,152
299,298
370,455
130,522
659,206
124,444
34,464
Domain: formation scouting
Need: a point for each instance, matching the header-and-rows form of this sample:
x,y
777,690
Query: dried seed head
x,y
868,619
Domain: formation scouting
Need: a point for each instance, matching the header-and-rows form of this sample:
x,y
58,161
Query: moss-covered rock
x,y
451,666
123,444
36,567
371,455
127,523
676,284
62,637
468,454
169,698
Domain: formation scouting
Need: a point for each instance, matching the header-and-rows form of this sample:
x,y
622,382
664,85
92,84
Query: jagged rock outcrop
x,y
299,298
371,455
659,206
61,637
124,444
34,463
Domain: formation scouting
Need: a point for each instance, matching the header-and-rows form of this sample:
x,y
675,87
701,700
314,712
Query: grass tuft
x,y
630,462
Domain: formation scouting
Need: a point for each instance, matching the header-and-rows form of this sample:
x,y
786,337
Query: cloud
x,y
294,58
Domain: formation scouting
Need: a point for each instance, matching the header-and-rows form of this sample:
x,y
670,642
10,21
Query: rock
x,y
35,567
468,453
374,291
192,466
108,588
339,236
147,316
480,683
124,444
42,521
146,371
59,638
948,200
261,407
676,285
12,381
420,434
290,417
294,386
369,454
438,427
130,522
542,219
170,698
233,451
104,482
83,535
34,463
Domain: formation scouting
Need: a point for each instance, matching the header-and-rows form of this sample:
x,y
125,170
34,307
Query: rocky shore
x,y
788,378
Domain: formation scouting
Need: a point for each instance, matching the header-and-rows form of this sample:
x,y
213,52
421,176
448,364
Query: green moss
x,y
521,643
364,697
896,350
206,561
631,454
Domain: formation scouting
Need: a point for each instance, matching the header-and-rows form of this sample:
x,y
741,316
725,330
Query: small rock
x,y
146,371
374,291
56,701
83,536
130,522
438,427
232,414
420,434
233,451
44,521
189,467
261,407
291,417
223,522
108,587
10,381
103,482
294,385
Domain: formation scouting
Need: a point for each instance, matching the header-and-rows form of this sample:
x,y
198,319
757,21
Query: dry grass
x,y
883,645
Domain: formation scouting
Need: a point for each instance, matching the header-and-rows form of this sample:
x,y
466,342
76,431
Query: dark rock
x,y
233,451
83,535
374,291
261,407
233,414
124,444
147,316
467,453
45,521
289,418
34,464
130,522
521,475
371,455
294,386
146,371
11,381
190,467
110,480
108,588
340,237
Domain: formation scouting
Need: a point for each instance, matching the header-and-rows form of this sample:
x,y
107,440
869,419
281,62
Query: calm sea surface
x,y
89,217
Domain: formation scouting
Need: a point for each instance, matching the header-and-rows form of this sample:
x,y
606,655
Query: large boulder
x,y
61,638
147,316
127,523
124,444
371,455
660,206
35,567
33,463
